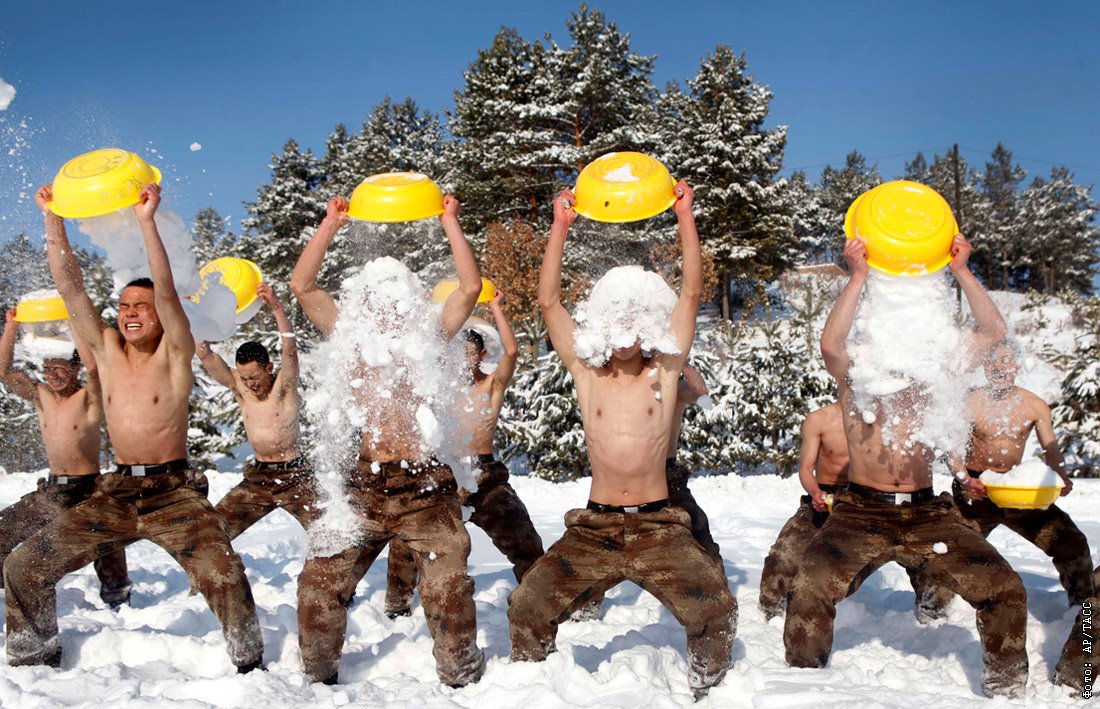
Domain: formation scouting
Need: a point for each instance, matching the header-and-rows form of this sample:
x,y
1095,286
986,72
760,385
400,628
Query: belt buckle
x,y
901,498
137,471
632,508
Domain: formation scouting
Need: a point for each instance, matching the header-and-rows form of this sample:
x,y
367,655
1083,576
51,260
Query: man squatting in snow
x,y
889,512
497,508
279,476
628,531
69,417
395,489
153,493
1002,417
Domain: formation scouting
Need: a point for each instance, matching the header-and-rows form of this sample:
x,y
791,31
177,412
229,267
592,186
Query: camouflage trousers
x,y
781,564
419,505
31,513
1076,667
168,509
654,550
1051,530
862,531
498,510
267,487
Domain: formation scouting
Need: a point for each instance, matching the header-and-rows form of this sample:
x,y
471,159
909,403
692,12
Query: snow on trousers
x,y
418,505
168,509
498,510
25,517
654,550
1078,650
1051,530
862,531
268,487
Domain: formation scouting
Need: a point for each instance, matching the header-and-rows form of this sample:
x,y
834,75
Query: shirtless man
x,y
629,530
496,507
153,493
889,513
1002,417
279,476
397,490
69,417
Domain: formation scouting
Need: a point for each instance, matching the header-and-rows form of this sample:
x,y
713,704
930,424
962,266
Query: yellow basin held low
x,y
242,277
623,187
908,228
443,290
100,182
396,197
1023,498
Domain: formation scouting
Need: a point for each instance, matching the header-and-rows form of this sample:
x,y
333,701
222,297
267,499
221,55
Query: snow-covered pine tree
x,y
732,160
940,176
992,229
210,236
839,188
1077,416
1056,245
804,207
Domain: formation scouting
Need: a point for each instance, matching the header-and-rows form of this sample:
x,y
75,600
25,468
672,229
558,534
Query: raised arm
x,y
507,365
691,288
460,303
317,304
839,323
84,319
288,342
177,329
991,327
692,385
559,323
807,461
217,366
20,384
1044,431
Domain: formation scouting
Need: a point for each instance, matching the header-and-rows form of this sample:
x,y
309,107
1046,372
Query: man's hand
x,y
43,197
497,301
451,207
564,214
265,293
1068,485
974,488
337,210
855,255
148,201
960,253
685,198
818,501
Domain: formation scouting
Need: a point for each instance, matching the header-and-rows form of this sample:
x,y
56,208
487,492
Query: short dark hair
x,y
475,337
253,352
142,282
75,359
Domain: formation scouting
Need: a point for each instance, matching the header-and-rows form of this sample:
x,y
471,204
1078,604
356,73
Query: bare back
x,y
70,429
627,423
145,398
872,462
1001,426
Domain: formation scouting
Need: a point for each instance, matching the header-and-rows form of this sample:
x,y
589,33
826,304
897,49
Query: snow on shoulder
x,y
628,304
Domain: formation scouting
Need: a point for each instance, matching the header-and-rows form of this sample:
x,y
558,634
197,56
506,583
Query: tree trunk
x,y
724,295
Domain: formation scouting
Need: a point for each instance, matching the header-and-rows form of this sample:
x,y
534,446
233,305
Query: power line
x,y
913,153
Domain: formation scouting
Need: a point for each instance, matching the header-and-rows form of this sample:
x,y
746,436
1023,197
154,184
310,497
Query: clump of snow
x,y
7,93
908,361
494,349
623,173
1030,473
939,548
627,305
387,337
195,147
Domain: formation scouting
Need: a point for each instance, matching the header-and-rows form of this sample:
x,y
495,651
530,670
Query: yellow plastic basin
x,y
396,197
443,290
908,228
242,277
1023,498
41,309
100,182
623,187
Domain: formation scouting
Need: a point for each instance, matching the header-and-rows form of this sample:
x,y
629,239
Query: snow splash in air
x,y
119,235
908,362
385,363
49,339
628,304
7,94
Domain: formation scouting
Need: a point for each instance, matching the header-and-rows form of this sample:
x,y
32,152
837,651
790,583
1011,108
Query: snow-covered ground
x,y
166,648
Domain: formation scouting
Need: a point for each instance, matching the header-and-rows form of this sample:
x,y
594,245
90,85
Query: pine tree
x,y
996,217
841,187
1077,417
807,229
1056,244
211,239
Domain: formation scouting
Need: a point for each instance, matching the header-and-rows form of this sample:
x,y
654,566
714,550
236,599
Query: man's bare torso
x,y
479,414
873,463
391,432
627,421
831,465
271,423
70,430
1000,429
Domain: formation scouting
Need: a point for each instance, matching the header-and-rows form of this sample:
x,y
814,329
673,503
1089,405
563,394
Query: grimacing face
x,y
137,315
258,378
60,374
1001,367
474,355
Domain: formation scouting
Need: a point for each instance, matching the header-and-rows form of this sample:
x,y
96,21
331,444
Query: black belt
x,y
299,462
70,479
138,471
915,497
647,507
831,489
975,473
485,458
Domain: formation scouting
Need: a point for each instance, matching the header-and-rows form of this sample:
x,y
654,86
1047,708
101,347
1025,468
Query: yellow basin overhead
x,y
100,182
623,187
443,290
396,197
908,228
242,277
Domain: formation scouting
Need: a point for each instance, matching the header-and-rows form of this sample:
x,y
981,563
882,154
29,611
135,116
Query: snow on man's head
x,y
386,286
628,305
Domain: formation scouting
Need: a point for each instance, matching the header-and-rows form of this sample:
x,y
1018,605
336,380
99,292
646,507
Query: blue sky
x,y
240,78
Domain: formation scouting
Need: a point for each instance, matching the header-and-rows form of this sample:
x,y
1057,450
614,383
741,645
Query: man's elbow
x,y
300,284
